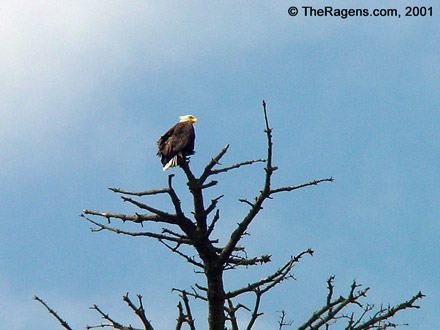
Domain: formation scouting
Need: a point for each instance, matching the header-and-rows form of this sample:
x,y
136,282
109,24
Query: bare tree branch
x,y
175,200
329,312
231,315
255,313
271,280
390,312
249,262
140,193
112,323
181,317
312,183
195,187
209,184
63,323
145,234
193,294
191,260
167,216
257,206
214,221
181,236
170,191
334,309
282,323
330,288
137,218
243,200
225,169
213,204
139,311
264,194
189,318
214,161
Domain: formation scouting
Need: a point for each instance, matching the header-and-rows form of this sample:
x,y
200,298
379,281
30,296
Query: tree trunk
x,y
216,297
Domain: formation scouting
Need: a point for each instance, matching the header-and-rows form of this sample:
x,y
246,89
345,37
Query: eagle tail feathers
x,y
173,162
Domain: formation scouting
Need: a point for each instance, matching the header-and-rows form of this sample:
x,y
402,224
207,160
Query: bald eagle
x,y
177,142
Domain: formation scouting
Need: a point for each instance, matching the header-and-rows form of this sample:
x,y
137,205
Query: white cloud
x,y
56,55
56,58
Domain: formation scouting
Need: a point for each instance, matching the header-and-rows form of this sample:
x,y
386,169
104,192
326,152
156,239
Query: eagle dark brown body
x,y
178,141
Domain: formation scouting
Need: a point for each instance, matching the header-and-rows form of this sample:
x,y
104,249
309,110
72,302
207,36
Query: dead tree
x,y
213,260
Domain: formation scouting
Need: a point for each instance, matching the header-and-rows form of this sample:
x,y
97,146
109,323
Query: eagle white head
x,y
189,118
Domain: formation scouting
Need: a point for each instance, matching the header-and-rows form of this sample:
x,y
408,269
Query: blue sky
x,y
87,87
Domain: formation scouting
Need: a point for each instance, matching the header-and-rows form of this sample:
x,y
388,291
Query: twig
x,y
174,199
140,193
112,323
391,312
145,234
181,317
243,200
250,262
209,184
225,169
189,318
282,321
271,280
312,183
137,218
214,221
329,313
139,311
211,164
231,312
169,218
255,313
330,288
193,294
63,323
187,258
168,231
213,204
334,309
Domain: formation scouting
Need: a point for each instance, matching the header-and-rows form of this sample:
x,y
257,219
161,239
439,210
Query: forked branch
x,y
139,311
265,193
111,323
257,205
331,313
101,227
270,281
282,322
